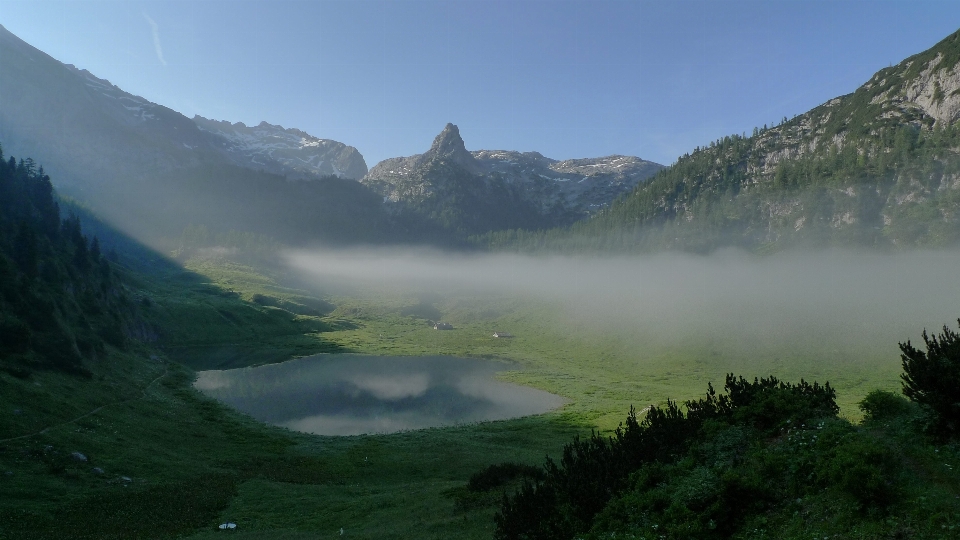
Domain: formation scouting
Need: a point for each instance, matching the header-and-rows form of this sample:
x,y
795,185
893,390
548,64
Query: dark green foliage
x,y
500,474
767,404
881,405
932,379
733,478
59,300
25,250
488,486
704,455
14,335
862,468
253,210
160,511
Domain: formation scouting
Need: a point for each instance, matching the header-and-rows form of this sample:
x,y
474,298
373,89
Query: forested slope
x,y
60,302
877,168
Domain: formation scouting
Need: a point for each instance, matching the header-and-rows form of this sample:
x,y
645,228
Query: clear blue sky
x,y
566,78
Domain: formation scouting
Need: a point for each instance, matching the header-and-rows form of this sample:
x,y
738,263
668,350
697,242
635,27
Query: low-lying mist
x,y
838,310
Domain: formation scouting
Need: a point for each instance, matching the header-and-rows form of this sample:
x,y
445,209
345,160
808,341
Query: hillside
x,y
877,168
151,171
60,302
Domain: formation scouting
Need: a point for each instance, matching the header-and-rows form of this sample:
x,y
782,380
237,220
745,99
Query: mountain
x,y
152,171
587,184
289,152
538,190
879,167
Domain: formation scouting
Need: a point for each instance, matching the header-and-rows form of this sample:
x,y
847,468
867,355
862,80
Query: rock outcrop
x,y
579,186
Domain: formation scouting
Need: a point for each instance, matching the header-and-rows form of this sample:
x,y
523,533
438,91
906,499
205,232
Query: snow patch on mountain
x,y
291,152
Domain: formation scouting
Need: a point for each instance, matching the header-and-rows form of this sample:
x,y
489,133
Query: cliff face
x,y
554,191
448,146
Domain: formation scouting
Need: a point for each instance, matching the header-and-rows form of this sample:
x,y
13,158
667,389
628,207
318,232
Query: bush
x,y
593,472
864,468
881,405
501,474
932,379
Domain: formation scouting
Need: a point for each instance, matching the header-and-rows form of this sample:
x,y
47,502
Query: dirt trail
x,y
143,394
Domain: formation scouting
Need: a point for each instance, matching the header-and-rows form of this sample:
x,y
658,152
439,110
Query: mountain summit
x,y
552,192
449,145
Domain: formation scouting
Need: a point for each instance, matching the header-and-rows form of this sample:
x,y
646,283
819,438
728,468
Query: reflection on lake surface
x,y
354,394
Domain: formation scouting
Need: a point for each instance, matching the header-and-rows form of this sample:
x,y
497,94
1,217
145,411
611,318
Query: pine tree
x,y
932,378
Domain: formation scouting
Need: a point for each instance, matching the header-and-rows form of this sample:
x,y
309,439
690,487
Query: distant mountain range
x,y
153,171
289,152
48,103
464,190
877,168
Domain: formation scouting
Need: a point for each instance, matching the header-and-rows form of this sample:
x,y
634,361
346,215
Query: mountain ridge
x,y
291,152
576,186
152,171
877,168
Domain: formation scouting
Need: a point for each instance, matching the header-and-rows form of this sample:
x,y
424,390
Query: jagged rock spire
x,y
449,146
448,141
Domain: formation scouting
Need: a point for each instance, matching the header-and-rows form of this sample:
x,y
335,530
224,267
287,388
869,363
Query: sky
x,y
569,79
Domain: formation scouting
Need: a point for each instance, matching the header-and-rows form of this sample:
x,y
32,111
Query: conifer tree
x,y
932,378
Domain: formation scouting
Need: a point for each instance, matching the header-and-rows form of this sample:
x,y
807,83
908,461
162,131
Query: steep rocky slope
x,y
444,186
879,167
289,152
547,191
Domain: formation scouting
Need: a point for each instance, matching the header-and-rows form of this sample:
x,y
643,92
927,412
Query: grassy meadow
x,y
164,461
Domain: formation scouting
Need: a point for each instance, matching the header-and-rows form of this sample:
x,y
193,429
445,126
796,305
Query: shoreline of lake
x,y
353,394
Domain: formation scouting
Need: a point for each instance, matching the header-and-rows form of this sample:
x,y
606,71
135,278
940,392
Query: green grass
x,y
182,451
603,371
211,323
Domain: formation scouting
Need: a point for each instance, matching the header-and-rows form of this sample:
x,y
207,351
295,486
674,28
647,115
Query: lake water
x,y
348,394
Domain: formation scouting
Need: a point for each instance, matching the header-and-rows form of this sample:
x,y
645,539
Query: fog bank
x,y
835,305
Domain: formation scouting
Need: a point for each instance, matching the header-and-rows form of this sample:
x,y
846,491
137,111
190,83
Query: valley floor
x,y
135,451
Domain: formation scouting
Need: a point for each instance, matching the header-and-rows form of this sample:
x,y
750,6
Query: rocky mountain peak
x,y
449,145
551,189
448,141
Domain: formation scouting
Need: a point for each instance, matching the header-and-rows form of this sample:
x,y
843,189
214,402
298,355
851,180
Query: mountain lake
x,y
347,394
